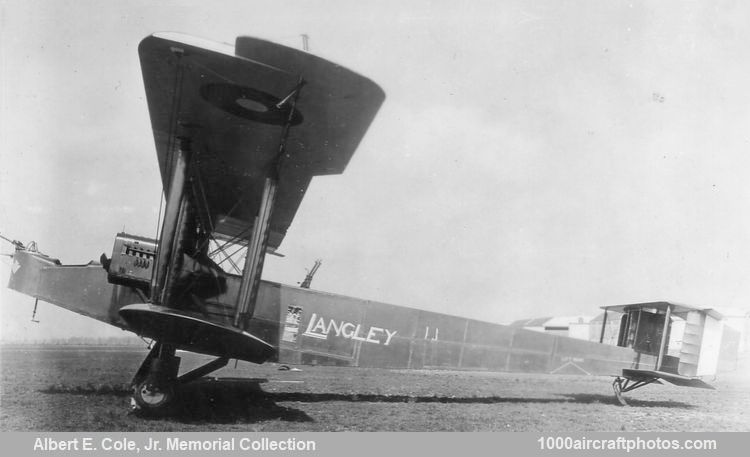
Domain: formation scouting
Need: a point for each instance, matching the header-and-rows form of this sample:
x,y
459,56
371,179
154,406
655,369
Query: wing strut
x,y
256,249
664,335
175,209
258,242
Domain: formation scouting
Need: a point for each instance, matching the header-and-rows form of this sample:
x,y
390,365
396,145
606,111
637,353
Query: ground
x,y
57,388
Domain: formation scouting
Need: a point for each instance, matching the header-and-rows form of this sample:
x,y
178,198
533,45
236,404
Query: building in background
x,y
573,326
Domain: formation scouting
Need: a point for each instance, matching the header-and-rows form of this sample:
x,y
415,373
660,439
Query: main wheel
x,y
152,398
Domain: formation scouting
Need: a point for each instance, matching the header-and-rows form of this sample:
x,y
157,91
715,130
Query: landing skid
x,y
156,383
622,385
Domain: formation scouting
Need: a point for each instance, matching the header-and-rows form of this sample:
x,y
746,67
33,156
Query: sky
x,y
531,159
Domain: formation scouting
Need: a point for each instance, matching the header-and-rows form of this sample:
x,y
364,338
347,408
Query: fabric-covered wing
x,y
232,104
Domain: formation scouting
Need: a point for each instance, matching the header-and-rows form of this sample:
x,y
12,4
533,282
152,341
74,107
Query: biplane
x,y
240,132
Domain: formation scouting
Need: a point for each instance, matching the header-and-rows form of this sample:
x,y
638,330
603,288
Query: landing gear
x,y
622,385
617,387
150,396
156,384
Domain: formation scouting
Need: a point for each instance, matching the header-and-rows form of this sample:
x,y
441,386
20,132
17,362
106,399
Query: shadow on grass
x,y
376,398
224,400
232,400
228,400
633,402
118,390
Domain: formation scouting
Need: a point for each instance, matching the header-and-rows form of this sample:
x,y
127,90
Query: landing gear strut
x,y
617,387
156,383
622,385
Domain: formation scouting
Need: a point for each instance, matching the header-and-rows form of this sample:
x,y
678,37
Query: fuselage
x,y
310,327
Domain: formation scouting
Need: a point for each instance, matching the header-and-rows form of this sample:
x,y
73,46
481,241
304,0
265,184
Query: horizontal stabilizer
x,y
678,380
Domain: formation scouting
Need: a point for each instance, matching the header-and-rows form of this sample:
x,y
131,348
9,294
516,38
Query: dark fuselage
x,y
311,327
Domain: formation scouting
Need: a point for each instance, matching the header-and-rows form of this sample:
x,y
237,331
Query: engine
x,y
132,261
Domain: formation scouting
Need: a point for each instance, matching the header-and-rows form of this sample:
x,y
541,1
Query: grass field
x,y
86,389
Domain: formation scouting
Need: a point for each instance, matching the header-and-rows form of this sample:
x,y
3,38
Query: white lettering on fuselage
x,y
319,328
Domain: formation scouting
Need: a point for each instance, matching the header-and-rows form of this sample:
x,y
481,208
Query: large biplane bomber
x,y
240,132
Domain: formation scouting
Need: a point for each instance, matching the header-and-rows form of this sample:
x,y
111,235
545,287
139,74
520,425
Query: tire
x,y
153,399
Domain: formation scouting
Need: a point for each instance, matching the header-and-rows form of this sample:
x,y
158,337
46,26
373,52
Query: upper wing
x,y
230,102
